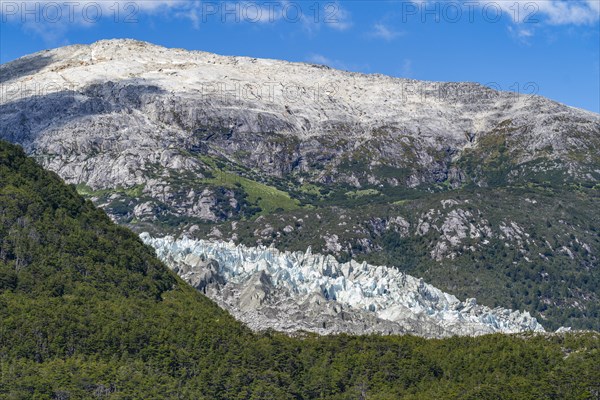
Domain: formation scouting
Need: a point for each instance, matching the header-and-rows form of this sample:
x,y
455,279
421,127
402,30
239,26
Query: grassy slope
x,y
268,198
86,311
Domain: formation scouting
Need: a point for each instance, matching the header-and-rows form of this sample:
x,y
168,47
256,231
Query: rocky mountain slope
x,y
87,312
485,194
268,289
116,113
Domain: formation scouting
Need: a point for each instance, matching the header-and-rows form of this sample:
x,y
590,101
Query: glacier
x,y
301,291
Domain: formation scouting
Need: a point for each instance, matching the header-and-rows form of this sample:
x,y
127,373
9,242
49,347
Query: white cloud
x,y
383,32
521,33
192,13
406,70
559,12
319,59
530,15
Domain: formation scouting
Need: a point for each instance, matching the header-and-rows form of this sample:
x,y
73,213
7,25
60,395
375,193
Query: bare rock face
x,y
127,114
268,289
257,292
204,276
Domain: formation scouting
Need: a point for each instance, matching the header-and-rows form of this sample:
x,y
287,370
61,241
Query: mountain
x,y
87,312
481,193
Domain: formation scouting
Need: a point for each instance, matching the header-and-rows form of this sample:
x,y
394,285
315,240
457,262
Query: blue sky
x,y
549,47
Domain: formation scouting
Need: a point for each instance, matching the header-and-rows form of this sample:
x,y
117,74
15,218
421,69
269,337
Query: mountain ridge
x,y
233,58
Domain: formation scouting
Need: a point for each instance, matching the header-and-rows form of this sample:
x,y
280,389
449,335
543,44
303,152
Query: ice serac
x,y
292,291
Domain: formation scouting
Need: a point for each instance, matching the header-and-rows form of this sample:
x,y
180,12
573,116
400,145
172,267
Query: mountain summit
x,y
240,106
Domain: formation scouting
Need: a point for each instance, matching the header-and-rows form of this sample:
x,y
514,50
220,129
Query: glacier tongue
x,y
291,291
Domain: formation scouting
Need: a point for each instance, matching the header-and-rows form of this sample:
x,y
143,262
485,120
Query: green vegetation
x,y
268,198
86,191
87,311
360,193
311,189
550,271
